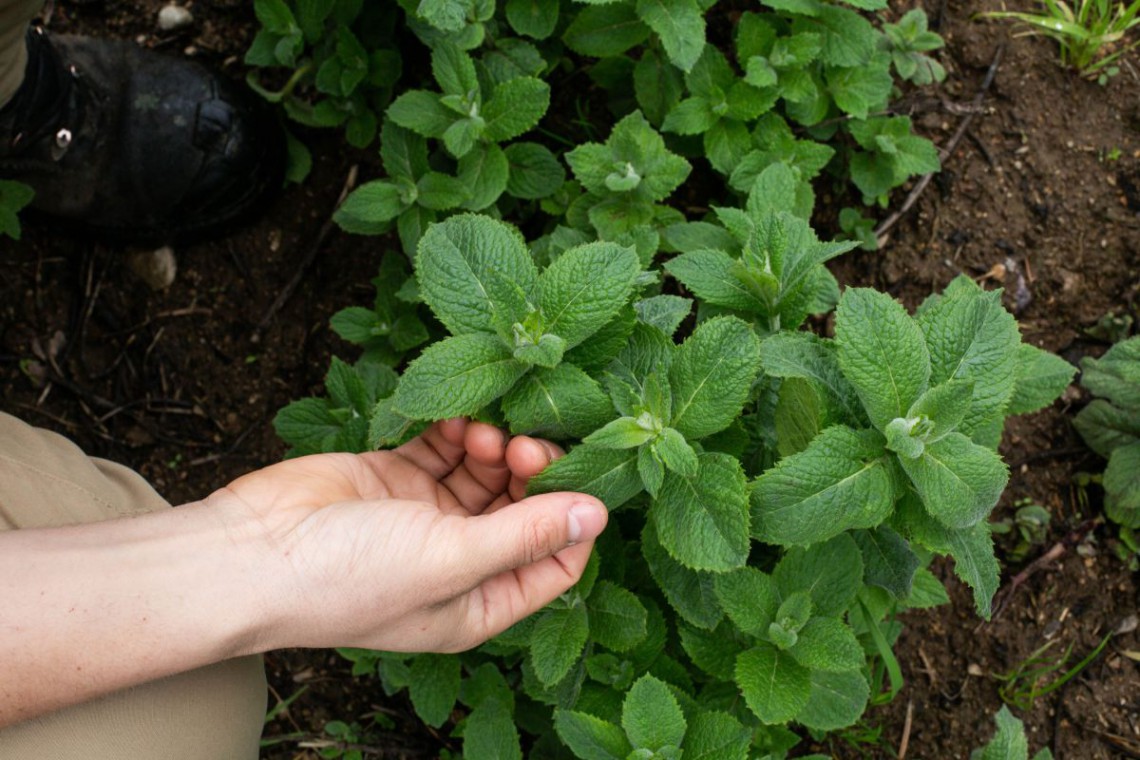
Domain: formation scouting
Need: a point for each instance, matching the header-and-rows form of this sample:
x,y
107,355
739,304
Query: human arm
x,y
431,547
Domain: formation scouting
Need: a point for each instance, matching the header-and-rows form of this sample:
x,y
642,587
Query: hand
x,y
430,547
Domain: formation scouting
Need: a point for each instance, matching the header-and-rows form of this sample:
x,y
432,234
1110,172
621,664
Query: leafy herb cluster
x,y
776,495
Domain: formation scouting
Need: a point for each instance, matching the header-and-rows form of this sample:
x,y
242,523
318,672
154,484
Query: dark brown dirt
x,y
1042,196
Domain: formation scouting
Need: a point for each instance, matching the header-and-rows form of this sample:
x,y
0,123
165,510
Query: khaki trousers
x,y
14,18
215,713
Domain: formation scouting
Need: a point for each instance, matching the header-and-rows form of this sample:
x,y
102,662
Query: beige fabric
x,y
14,18
214,713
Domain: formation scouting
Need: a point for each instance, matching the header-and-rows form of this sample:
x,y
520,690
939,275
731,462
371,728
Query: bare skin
x,y
430,547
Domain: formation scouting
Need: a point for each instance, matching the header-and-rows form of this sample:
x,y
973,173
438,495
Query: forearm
x,y
91,609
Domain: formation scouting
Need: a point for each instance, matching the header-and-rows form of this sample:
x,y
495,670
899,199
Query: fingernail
x,y
587,519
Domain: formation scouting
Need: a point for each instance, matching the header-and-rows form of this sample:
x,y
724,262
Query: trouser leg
x,y
14,18
214,712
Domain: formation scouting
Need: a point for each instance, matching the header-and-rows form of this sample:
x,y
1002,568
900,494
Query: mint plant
x,y
1110,425
908,42
1009,742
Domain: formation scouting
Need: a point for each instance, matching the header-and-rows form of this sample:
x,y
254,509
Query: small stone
x,y
156,268
975,670
174,17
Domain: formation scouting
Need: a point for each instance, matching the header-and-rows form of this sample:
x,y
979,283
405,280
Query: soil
x,y
1040,196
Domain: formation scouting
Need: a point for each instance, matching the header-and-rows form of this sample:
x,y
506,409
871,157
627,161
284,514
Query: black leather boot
x,y
134,146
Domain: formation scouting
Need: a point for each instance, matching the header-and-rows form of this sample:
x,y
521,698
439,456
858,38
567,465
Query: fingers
x,y
526,457
483,475
439,449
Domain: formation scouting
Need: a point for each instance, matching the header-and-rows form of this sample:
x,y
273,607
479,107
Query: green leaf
x,y
1040,378
677,455
651,716
369,208
563,402
275,16
421,112
691,116
534,172
1009,743
703,521
516,107
445,15
434,688
1116,375
617,617
807,356
958,480
484,173
622,433
800,415
589,737
837,700
665,312
749,598
830,572
403,152
971,548
860,89
557,641
711,376
491,733
533,18
308,424
888,561
775,686
848,38
691,593
710,275
680,25
882,353
1105,428
716,736
605,31
726,144
838,483
657,84
357,324
1122,486
971,336
828,644
454,70
457,377
439,191
460,266
926,591
585,287
610,476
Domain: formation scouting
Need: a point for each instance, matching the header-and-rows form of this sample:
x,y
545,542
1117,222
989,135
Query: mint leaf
x,y
926,591
434,687
800,415
804,355
711,276
691,593
971,336
585,287
665,312
491,733
958,480
828,644
484,174
882,353
605,31
680,25
749,598
657,84
516,107
557,641
831,573
1040,378
676,454
622,433
838,483
716,736
606,474
703,521
309,425
590,738
774,685
457,377
1105,428
403,152
369,208
439,191
533,18
860,90
454,70
837,700
534,172
1116,375
617,617
460,266
711,376
563,402
1009,743
421,112
1122,486
888,561
651,716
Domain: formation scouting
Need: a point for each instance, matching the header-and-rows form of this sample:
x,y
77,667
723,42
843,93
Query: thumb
x,y
528,531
